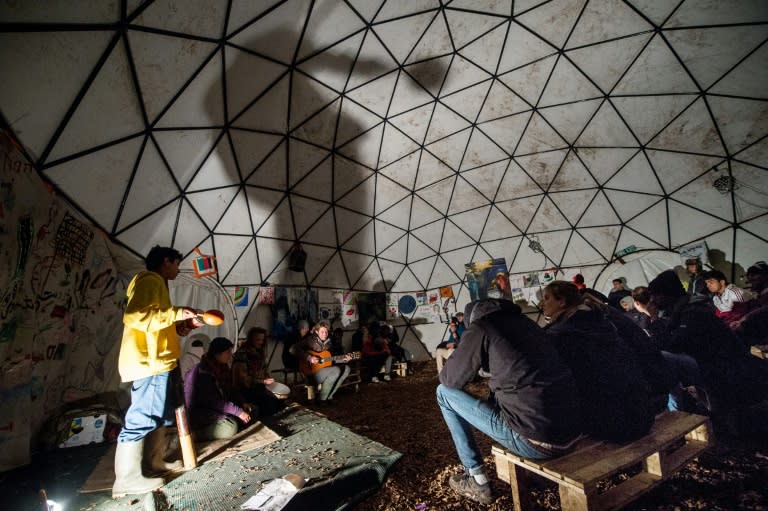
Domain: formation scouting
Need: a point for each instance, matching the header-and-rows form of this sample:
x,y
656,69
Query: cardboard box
x,y
85,430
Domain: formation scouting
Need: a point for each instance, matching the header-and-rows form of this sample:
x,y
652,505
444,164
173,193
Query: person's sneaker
x,y
375,379
466,486
387,377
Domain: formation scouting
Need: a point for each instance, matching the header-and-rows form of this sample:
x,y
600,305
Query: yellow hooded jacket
x,y
150,345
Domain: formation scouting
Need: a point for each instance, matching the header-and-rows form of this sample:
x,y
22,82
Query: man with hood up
x,y
532,409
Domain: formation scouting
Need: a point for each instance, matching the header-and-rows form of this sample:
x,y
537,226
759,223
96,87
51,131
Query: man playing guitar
x,y
313,352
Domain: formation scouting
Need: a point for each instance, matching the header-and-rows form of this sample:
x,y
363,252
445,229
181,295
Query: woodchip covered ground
x,y
403,415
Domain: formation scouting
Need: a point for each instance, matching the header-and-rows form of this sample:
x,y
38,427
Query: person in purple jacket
x,y
215,410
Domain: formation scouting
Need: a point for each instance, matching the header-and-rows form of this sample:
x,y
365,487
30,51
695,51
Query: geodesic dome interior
x,y
398,140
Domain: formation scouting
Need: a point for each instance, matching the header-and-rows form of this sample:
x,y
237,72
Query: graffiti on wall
x,y
61,301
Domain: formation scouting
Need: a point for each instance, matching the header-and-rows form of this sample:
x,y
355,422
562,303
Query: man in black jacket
x,y
532,409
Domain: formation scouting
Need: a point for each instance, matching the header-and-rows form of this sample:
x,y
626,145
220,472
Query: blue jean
x,y
150,407
461,411
330,378
687,373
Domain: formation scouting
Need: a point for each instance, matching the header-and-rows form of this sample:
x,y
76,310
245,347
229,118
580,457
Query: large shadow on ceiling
x,y
309,136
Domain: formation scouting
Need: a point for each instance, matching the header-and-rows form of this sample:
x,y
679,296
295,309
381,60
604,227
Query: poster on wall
x,y
488,279
347,301
240,297
291,306
393,310
267,296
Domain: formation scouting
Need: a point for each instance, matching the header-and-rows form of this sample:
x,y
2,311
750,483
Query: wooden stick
x,y
185,439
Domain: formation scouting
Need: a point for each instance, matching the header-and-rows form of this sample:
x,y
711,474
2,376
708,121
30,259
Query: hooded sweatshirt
x,y
150,344
533,389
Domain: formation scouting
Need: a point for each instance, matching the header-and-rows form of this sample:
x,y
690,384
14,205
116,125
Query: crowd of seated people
x,y
625,368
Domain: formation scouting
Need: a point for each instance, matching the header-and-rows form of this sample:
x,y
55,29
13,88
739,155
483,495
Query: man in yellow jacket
x,y
149,352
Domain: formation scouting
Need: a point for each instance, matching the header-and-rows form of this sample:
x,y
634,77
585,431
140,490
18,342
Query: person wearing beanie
x,y
701,351
216,411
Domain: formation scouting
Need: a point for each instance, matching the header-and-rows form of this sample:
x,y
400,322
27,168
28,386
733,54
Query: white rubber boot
x,y
128,476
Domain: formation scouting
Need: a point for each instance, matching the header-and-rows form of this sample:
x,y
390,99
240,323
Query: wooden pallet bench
x,y
674,439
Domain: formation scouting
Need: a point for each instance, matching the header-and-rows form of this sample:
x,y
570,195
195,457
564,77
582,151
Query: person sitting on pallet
x,y
702,352
613,392
532,409
316,361
250,370
214,406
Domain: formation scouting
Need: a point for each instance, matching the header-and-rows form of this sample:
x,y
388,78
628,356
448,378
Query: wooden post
x,y
185,439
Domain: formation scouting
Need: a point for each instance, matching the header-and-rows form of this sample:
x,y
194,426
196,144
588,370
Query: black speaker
x,y
297,258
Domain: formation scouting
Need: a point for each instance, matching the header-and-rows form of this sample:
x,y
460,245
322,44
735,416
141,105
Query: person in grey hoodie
x,y
532,409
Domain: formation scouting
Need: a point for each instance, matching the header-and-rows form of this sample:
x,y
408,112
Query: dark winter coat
x,y
732,376
612,389
533,389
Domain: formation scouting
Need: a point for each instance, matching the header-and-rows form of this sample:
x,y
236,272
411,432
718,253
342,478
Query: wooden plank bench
x,y
674,439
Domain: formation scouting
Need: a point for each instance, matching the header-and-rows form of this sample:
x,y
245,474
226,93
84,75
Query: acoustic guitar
x,y
326,360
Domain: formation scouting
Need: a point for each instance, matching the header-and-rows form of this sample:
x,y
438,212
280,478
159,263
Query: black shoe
x,y
466,486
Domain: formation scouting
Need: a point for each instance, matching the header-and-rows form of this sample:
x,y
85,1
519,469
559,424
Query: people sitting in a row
x,y
590,371
702,351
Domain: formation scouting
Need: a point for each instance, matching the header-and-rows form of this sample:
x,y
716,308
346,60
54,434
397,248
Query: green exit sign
x,y
625,251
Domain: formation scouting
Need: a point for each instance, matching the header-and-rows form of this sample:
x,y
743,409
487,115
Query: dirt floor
x,y
403,415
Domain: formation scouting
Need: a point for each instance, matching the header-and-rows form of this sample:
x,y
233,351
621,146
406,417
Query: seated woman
x,y
376,357
317,363
251,373
612,389
399,353
214,408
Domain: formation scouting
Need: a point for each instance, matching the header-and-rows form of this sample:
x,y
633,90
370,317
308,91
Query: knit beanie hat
x,y
666,284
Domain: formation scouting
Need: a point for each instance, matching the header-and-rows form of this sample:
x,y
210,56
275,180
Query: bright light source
x,y
54,506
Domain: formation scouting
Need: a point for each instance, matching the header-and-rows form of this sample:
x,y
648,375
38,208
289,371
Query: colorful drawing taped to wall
x,y
421,298
488,279
407,304
204,265
434,298
240,298
517,294
349,298
531,280
446,292
267,295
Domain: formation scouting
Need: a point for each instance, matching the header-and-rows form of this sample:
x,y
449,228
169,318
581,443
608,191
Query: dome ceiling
x,y
398,140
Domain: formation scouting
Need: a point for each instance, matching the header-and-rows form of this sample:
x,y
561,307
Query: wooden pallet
x,y
674,439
